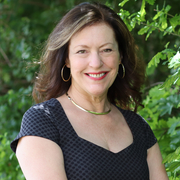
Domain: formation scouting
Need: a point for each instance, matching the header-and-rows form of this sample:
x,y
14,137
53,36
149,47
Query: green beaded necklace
x,y
92,112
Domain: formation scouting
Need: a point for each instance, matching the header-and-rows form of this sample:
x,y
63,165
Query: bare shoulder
x,y
40,159
156,167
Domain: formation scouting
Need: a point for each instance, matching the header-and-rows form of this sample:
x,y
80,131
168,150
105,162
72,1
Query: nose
x,y
95,60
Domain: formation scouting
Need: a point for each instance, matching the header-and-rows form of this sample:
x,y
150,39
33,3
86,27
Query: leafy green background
x,y
155,25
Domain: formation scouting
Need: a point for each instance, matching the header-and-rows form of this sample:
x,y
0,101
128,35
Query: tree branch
x,y
152,85
165,13
5,57
159,29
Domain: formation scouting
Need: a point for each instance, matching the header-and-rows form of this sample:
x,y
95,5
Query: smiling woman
x,y
50,84
83,127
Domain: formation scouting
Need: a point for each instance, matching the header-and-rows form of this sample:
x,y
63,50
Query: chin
x,y
98,92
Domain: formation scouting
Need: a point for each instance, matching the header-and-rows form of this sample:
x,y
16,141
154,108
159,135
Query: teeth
x,y
97,75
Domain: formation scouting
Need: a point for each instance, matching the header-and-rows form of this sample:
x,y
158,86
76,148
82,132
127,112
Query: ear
x,y
121,57
67,62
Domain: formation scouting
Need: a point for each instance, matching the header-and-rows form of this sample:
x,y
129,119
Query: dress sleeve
x,y
37,121
150,137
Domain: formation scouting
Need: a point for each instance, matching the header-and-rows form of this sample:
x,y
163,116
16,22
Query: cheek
x,y
115,67
114,62
77,66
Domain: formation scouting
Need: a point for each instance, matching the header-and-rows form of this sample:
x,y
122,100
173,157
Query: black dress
x,y
84,160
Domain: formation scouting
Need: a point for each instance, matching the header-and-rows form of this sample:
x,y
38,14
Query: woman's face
x,y
93,59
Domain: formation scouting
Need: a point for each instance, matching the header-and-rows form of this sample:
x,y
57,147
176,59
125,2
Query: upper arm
x,y
156,167
40,159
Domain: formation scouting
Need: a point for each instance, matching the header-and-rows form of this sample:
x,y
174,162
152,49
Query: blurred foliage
x,y
155,25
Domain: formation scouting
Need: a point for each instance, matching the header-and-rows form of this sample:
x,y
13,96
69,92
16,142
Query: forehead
x,y
96,32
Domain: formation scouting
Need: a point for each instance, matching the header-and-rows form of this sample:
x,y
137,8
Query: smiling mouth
x,y
96,75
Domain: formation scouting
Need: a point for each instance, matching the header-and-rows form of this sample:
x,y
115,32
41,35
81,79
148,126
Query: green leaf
x,y
167,44
133,22
173,120
175,61
143,11
164,23
149,33
151,2
173,166
172,156
157,94
143,30
168,7
6,77
156,59
125,17
173,127
171,80
165,108
169,53
177,151
159,13
123,3
168,30
175,21
178,105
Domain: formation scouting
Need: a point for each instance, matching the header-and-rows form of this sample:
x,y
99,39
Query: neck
x,y
92,103
92,112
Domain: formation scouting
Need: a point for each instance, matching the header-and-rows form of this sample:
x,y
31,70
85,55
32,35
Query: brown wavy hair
x,y
124,92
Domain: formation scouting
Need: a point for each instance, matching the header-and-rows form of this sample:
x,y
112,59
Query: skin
x,y
91,52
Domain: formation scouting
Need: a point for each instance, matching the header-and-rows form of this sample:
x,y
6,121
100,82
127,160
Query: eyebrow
x,y
85,46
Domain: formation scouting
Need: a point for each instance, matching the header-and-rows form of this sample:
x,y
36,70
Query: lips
x,y
97,76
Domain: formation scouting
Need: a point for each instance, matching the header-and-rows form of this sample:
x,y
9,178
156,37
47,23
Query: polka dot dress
x,y
84,160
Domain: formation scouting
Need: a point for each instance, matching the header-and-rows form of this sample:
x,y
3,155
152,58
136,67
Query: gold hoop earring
x,y
62,71
123,70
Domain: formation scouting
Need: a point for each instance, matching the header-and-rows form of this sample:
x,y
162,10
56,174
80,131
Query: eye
x,y
107,50
81,52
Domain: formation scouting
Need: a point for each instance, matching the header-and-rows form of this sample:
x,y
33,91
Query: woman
x,y
77,131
